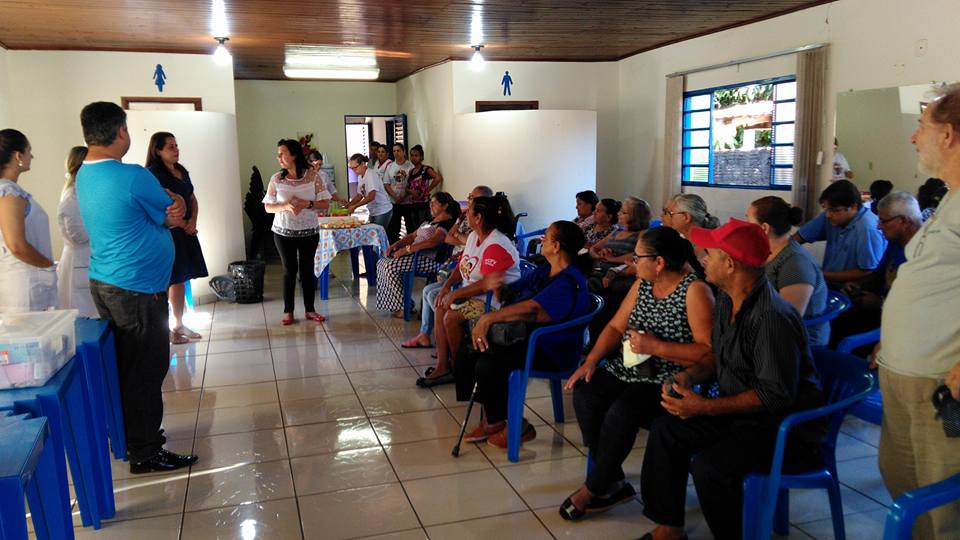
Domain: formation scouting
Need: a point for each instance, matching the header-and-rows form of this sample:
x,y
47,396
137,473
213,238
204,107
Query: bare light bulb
x,y
477,62
221,56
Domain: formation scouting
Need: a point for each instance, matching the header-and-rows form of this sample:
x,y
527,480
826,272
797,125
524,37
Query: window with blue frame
x,y
740,135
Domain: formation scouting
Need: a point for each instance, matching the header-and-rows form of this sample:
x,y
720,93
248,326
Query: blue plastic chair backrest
x,y
837,303
842,376
655,223
526,268
575,327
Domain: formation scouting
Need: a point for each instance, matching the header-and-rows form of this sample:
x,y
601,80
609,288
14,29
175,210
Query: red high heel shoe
x,y
315,317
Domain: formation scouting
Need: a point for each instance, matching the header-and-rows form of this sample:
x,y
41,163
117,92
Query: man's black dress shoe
x,y
162,461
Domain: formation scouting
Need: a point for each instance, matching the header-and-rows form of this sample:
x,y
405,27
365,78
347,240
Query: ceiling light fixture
x,y
222,56
369,74
476,62
330,62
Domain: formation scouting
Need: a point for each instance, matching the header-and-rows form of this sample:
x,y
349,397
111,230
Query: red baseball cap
x,y
742,241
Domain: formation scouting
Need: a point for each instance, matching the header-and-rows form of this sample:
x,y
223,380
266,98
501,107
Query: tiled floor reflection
x,y
318,432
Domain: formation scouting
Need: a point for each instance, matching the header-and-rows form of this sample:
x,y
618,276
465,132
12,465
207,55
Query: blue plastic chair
x,y
95,344
28,468
870,409
837,303
567,361
911,505
65,402
766,498
655,223
524,239
442,253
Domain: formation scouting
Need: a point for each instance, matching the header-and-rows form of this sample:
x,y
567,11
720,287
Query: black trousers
x,y
296,255
414,214
491,370
141,333
610,413
613,295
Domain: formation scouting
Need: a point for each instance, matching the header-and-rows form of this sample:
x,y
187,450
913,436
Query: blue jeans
x,y
430,293
383,219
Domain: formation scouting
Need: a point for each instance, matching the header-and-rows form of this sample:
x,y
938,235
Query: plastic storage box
x,y
34,346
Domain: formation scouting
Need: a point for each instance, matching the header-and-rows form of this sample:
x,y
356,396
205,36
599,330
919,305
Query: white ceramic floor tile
x,y
330,437
323,473
327,409
432,458
314,387
269,519
239,419
416,426
243,395
359,512
519,526
449,499
155,528
239,449
237,485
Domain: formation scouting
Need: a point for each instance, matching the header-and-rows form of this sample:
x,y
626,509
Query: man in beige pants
x,y
920,331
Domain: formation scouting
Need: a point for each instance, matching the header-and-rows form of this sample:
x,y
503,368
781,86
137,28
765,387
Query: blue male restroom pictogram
x,y
506,82
159,77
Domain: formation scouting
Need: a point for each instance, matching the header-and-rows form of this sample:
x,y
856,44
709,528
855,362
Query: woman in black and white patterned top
x,y
662,326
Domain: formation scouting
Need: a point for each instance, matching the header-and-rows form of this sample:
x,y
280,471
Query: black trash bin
x,y
248,280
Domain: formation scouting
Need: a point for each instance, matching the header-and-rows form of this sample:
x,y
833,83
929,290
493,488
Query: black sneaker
x,y
163,461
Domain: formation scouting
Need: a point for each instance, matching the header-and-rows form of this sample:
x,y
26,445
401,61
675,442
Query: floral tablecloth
x,y
333,241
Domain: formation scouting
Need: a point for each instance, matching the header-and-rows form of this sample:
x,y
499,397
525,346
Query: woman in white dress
x,y
26,257
73,281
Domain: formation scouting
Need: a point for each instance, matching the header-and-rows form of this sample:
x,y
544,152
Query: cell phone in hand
x,y
670,391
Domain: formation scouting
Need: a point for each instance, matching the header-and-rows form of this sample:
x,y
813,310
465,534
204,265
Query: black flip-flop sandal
x,y
427,382
428,371
570,512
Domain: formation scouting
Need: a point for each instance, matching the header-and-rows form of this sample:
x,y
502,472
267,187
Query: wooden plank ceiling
x,y
408,35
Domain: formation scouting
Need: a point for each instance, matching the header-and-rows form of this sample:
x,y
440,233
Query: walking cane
x,y
463,429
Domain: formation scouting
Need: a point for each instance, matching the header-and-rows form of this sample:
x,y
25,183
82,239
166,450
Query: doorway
x,y
361,130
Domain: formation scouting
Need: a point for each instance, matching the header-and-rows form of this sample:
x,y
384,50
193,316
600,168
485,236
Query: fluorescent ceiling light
x,y
366,74
330,62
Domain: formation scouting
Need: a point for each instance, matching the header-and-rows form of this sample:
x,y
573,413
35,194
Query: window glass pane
x,y
696,138
783,176
696,174
787,90
696,120
696,157
783,155
786,112
784,133
697,102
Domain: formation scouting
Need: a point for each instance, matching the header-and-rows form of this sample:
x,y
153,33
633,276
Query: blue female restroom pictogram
x,y
159,77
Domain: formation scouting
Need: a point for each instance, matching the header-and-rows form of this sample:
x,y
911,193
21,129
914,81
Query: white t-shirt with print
x,y
497,253
371,182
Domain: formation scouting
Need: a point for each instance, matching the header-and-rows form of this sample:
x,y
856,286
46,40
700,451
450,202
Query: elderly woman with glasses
x,y
662,327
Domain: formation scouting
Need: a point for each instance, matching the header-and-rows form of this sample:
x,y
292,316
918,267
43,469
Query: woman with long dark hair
x,y
163,160
293,194
73,279
421,180
29,282
555,292
662,326
489,249
399,258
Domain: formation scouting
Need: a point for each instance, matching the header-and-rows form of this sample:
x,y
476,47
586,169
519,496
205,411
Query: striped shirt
x,y
764,348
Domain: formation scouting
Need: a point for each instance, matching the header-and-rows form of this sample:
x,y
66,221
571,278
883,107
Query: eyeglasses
x,y
665,212
636,258
353,167
888,220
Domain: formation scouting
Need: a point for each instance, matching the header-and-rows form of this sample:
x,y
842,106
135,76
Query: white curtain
x,y
811,84
672,137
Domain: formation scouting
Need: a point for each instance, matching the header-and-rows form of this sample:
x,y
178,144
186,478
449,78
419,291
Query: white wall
x,y
274,110
872,45
47,90
4,91
208,143
427,99
875,138
544,188
432,98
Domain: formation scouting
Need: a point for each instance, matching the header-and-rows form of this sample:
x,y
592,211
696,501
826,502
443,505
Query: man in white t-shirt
x,y
370,192
841,168
920,332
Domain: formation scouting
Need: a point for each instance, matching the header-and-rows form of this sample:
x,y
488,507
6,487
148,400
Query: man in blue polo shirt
x,y
854,244
126,214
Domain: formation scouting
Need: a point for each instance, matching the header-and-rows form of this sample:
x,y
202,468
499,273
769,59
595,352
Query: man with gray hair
x,y
899,219
920,331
